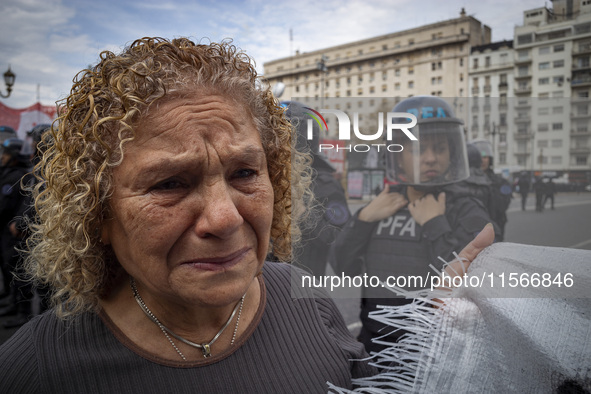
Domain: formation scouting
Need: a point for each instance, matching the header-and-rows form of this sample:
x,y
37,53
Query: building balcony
x,y
580,132
580,115
581,49
522,154
487,89
523,105
581,67
503,87
580,100
522,136
580,81
475,90
522,60
580,150
523,76
524,90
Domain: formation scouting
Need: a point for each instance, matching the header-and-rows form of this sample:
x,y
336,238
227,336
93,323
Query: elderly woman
x,y
166,184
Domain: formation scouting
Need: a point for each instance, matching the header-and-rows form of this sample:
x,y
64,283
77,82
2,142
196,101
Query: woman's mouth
x,y
219,263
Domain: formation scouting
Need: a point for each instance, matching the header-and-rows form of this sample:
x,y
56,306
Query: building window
x,y
397,72
397,86
475,63
544,50
384,87
542,143
543,111
558,63
411,84
556,126
487,61
502,158
581,160
558,47
543,81
556,160
411,70
542,127
556,143
544,66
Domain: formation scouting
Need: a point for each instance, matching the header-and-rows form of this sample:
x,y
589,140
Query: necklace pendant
x,y
206,350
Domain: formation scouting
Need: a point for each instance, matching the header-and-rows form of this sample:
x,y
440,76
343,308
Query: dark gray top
x,y
292,346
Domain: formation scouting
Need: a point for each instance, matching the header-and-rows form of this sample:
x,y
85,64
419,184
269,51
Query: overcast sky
x,y
46,42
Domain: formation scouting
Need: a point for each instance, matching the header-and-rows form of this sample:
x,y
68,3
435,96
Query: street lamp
x,y
9,78
321,66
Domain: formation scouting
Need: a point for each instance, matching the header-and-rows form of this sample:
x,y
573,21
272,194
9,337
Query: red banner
x,y
24,119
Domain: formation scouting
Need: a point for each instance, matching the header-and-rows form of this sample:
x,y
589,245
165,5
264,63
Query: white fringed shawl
x,y
530,339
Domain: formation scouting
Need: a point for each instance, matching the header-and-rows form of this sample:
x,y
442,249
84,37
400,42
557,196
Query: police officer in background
x,y
412,222
501,190
330,211
18,228
13,167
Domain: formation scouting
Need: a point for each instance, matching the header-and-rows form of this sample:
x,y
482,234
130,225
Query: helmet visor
x,y
437,158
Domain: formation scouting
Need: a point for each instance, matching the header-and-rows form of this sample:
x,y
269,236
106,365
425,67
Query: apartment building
x,y
491,104
431,59
552,84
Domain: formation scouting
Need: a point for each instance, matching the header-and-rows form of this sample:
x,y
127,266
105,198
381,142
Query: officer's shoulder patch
x,y
337,213
6,189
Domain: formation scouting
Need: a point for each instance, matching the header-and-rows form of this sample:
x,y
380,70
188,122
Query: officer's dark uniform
x,y
329,215
501,195
11,198
398,245
330,211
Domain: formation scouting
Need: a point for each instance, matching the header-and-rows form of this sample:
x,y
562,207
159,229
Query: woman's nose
x,y
219,216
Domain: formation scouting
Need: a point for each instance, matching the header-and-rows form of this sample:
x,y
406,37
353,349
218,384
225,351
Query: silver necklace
x,y
205,347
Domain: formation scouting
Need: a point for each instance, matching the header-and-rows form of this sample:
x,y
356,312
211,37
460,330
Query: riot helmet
x,y
474,156
36,133
485,149
6,132
438,156
10,150
299,115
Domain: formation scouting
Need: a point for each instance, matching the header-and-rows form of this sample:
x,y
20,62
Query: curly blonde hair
x,y
86,143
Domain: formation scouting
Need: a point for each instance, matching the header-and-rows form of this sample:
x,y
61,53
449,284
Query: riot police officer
x,y
329,210
13,167
412,222
501,190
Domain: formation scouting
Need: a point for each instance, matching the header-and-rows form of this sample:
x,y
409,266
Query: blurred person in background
x,y
501,190
13,167
330,211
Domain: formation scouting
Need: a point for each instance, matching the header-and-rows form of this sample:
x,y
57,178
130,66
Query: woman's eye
x,y
244,173
170,184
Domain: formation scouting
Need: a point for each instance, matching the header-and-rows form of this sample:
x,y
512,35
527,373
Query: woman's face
x,y
433,162
192,202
